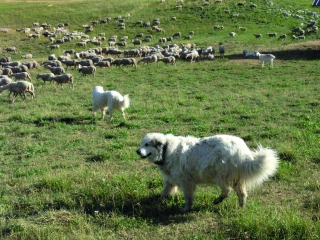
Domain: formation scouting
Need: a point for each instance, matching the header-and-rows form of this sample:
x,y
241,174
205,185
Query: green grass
x,y
65,175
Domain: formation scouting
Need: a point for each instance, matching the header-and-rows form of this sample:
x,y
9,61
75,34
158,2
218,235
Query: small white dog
x,y
102,100
223,160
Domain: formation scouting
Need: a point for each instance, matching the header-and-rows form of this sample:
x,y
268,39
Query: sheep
x,y
283,36
274,34
55,70
193,55
5,59
63,78
258,35
45,77
265,57
232,34
70,63
136,42
85,62
27,56
7,71
166,60
243,28
221,51
21,88
111,100
87,70
10,49
148,59
177,34
5,81
248,54
128,61
103,64
22,76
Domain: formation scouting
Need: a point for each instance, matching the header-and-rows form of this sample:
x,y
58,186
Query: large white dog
x,y
223,160
102,100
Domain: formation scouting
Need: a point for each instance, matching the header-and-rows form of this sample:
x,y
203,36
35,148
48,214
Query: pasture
x,y
65,175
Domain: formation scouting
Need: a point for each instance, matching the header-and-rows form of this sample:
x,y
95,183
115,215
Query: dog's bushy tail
x,y
263,166
126,101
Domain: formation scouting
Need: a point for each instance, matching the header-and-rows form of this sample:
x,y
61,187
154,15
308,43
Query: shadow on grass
x,y
66,120
150,208
294,54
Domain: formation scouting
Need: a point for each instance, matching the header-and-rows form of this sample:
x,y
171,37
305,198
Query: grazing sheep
x,y
5,59
221,51
111,100
70,63
265,57
166,60
22,76
55,70
283,36
148,59
87,70
128,61
274,34
7,71
258,35
27,56
63,78
103,64
177,34
45,77
5,81
10,49
248,54
232,34
243,28
136,42
21,88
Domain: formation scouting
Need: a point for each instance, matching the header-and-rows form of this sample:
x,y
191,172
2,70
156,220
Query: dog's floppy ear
x,y
161,158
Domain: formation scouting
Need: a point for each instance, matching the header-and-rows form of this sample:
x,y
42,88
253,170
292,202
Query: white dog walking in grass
x,y
111,100
222,159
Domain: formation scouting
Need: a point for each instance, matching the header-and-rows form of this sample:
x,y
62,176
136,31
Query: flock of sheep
x,y
87,61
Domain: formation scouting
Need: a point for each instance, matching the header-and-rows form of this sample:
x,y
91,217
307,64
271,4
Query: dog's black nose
x,y
138,152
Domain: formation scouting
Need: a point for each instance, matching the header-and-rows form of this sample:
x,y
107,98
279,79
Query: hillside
x,y
66,174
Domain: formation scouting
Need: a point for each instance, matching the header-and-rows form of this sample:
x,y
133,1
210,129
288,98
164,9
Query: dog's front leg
x,y
188,190
168,189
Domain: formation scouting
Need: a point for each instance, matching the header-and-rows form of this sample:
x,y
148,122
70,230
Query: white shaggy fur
x,y
222,159
265,57
111,100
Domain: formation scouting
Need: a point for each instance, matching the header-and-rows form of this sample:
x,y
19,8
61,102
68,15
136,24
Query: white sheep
x,y
63,78
265,57
87,70
166,60
27,56
111,100
55,70
22,76
148,59
21,88
45,77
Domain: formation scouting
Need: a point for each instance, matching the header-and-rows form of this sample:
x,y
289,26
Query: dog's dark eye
x,y
147,144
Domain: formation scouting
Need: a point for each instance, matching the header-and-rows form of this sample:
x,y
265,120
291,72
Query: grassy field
x,y
65,175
